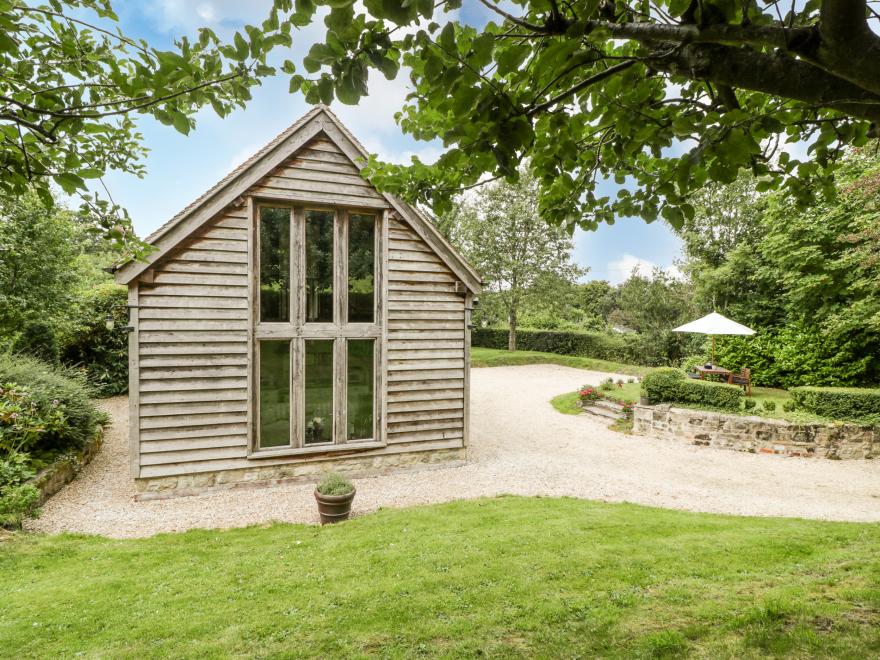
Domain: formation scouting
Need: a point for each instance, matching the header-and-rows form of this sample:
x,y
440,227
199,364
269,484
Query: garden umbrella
x,y
715,324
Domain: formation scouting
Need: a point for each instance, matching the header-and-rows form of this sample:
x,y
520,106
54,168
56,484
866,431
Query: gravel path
x,y
519,445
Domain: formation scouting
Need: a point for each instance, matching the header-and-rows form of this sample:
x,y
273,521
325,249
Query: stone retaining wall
x,y
757,434
64,468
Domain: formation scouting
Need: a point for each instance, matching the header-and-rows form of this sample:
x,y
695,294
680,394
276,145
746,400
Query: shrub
x,y
607,384
844,403
797,355
333,483
749,404
673,386
769,406
789,405
38,340
589,393
43,407
17,497
101,353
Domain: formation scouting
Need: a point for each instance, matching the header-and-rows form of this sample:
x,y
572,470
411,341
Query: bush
x,y
607,384
789,406
769,406
38,340
43,407
333,483
749,404
101,353
673,386
17,497
844,403
796,355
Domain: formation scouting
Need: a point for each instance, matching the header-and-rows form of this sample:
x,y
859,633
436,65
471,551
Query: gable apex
x,y
319,122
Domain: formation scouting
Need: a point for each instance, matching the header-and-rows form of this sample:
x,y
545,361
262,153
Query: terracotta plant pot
x,y
334,508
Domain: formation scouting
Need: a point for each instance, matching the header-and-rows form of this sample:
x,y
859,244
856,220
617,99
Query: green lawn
x,y
490,357
502,577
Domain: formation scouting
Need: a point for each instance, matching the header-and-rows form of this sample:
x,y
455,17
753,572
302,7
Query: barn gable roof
x,y
319,121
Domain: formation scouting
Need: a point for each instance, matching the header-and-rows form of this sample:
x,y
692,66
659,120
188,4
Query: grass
x,y
505,577
629,393
490,357
566,403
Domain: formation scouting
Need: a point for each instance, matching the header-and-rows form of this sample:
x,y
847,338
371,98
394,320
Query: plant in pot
x,y
334,495
315,430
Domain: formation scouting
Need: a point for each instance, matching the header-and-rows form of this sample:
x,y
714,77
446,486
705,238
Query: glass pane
x,y
360,389
274,393
319,266
319,392
274,265
361,267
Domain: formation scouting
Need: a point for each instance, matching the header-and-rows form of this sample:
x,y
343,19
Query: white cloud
x,y
619,270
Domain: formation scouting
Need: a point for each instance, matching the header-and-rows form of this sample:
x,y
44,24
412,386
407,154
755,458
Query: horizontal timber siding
x,y
194,326
193,351
426,351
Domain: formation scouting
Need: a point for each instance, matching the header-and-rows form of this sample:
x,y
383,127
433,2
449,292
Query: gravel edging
x,y
518,445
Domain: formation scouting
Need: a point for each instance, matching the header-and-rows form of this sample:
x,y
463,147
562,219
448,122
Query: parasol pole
x,y
713,350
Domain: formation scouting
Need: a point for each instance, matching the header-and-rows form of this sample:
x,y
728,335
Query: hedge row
x,y
628,348
673,386
844,403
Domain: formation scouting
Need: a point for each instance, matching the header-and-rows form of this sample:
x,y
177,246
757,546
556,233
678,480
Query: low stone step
x,y
602,411
609,404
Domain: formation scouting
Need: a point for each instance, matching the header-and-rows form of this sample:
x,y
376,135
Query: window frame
x,y
297,330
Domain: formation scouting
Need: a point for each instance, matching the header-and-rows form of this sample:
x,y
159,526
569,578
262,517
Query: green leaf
x,y
69,183
91,173
241,47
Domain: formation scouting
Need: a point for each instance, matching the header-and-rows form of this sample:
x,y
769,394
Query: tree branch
x,y
778,75
583,84
513,19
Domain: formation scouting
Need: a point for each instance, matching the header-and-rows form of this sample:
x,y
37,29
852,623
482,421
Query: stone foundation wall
x,y
257,476
757,434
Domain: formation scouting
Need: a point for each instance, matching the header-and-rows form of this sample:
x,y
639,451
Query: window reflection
x,y
361,267
319,266
318,392
274,393
274,265
360,389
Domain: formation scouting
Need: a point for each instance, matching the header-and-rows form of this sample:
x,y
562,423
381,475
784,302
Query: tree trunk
x,y
511,335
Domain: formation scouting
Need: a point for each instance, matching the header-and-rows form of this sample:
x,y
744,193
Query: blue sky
x,y
180,168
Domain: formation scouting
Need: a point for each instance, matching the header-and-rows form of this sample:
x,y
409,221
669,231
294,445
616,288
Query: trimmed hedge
x,y
628,348
673,386
844,403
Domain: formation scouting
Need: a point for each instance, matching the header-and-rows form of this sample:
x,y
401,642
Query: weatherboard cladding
x,y
193,341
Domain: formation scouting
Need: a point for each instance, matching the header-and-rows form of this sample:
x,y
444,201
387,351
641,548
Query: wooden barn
x,y
292,320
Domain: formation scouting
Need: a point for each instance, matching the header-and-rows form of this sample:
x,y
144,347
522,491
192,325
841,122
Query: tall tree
x,y
502,233
807,279
663,95
71,83
39,269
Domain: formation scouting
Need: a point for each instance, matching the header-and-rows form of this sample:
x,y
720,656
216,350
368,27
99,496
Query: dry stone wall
x,y
757,434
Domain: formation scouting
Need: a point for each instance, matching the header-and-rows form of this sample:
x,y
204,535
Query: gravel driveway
x,y
519,445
